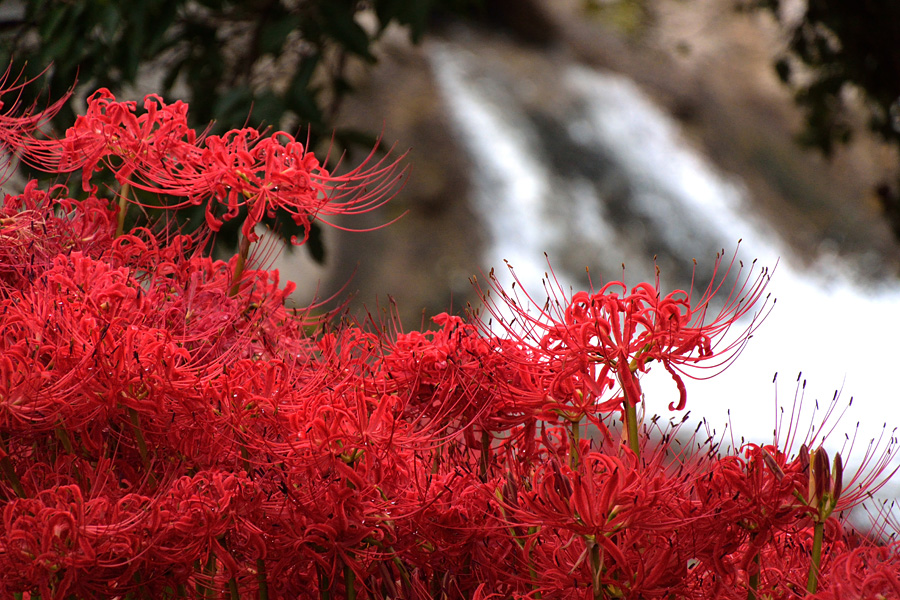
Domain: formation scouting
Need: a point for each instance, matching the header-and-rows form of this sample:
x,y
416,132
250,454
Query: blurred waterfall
x,y
613,181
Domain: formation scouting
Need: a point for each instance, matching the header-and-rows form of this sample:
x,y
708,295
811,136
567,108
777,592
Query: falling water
x,y
675,204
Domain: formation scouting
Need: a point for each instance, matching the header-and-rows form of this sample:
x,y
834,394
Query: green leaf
x,y
160,27
285,228
109,22
783,69
171,76
413,13
340,24
61,45
49,28
350,139
314,244
233,103
274,33
266,110
300,97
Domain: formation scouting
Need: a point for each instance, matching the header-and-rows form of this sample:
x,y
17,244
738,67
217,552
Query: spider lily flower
x,y
17,125
598,339
165,433
863,572
157,152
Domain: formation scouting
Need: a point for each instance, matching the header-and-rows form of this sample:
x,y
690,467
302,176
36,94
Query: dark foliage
x,y
839,44
283,62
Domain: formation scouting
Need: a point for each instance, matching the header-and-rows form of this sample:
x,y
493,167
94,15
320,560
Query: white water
x,y
837,335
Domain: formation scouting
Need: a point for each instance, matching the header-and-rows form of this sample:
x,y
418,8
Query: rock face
x,y
706,65
426,257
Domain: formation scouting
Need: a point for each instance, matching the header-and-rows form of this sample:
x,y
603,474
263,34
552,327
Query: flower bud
x,y
819,476
837,474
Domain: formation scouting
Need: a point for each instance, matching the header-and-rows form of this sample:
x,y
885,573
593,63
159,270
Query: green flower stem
x,y
436,463
753,584
261,579
631,427
245,455
209,571
135,418
404,573
534,577
485,454
324,584
816,559
233,590
533,530
596,568
123,209
243,253
9,471
575,435
63,436
350,582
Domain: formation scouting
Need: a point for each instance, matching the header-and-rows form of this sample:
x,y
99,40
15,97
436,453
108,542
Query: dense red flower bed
x,y
168,428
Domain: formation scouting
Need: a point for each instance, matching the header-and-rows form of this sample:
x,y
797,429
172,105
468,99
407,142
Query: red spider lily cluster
x,y
169,429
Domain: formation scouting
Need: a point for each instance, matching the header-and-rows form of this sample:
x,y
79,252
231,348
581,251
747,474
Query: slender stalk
x,y
404,573
63,436
123,209
245,455
243,253
531,572
9,471
324,584
816,559
753,584
522,545
350,582
209,571
575,435
135,418
143,590
233,590
261,579
436,463
596,567
631,427
485,454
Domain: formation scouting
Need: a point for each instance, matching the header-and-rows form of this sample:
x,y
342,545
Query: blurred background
x,y
603,133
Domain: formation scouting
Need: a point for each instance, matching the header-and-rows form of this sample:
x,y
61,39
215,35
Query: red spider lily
x,y
843,486
111,134
754,500
865,572
38,225
606,524
455,377
82,546
164,433
452,531
157,152
276,172
595,339
18,125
